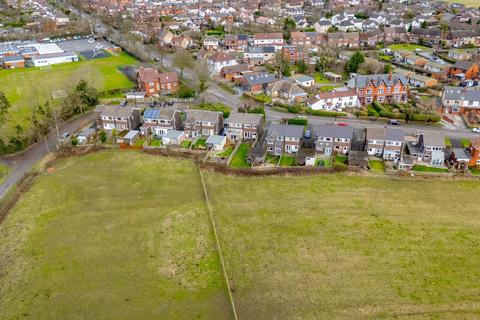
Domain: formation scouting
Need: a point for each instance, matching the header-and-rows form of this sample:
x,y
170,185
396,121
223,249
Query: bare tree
x,y
203,75
182,59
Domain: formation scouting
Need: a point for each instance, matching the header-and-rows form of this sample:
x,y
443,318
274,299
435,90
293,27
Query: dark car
x,y
394,122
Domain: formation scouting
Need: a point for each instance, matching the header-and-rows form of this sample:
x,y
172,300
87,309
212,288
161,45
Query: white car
x,y
476,130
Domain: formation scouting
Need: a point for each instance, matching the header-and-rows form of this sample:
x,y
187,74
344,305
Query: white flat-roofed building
x,y
54,58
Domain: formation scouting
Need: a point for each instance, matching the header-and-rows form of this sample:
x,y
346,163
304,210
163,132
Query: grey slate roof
x,y
259,78
434,139
245,118
361,81
463,65
116,111
461,93
394,134
285,130
331,130
202,115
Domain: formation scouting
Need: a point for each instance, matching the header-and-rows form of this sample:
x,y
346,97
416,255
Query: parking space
x,y
84,45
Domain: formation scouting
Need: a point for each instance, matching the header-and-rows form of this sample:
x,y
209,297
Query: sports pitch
x,y
29,87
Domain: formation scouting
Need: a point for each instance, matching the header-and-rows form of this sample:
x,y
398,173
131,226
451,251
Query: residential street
x,y
22,162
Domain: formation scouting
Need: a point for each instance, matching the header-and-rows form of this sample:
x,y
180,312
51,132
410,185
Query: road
x,y
22,162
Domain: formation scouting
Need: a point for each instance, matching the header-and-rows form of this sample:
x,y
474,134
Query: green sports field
x,y
468,3
124,235
26,88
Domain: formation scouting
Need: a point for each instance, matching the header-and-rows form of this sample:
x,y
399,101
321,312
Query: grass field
x,y
315,247
468,3
240,158
104,247
339,247
27,88
409,47
376,165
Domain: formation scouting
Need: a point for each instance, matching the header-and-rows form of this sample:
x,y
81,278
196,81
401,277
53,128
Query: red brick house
x,y
475,152
464,70
152,82
384,88
293,53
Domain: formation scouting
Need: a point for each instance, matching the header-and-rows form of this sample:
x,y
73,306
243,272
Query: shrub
x,y
294,109
424,117
185,92
324,113
302,122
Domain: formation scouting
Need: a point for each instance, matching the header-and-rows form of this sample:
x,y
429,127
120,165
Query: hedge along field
x,y
29,87
112,235
348,247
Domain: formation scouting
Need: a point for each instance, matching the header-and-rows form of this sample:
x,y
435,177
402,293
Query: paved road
x,y
22,162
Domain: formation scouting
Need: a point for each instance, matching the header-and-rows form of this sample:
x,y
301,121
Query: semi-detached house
x,y
118,118
203,123
331,138
385,142
283,138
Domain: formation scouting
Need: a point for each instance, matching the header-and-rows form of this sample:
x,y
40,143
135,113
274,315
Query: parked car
x,y
476,130
341,124
393,122
307,134
65,135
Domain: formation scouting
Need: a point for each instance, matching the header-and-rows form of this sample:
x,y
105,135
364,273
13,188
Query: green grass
x,y
139,142
79,246
409,47
376,165
156,143
287,161
227,88
328,88
271,159
468,3
263,98
385,57
343,247
465,142
185,144
3,172
320,78
26,88
340,159
200,143
240,158
475,171
323,162
448,142
226,153
313,247
423,168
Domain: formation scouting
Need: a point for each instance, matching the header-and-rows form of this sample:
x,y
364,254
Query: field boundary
x,y
217,242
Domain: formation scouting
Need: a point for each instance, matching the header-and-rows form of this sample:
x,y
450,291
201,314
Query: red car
x,y
341,124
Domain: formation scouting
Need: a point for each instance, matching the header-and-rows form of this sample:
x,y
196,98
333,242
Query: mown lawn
x,y
342,247
422,168
376,165
409,47
338,246
468,3
240,158
112,236
29,87
287,161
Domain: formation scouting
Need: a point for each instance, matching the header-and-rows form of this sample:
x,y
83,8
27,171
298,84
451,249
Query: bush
x,y
185,92
302,122
214,107
324,113
424,117
361,113
294,109
372,112
393,115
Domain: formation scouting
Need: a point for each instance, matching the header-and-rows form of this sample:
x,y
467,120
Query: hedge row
x,y
323,113
302,122
424,117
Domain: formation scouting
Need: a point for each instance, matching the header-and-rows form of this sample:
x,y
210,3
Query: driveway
x,y
22,162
